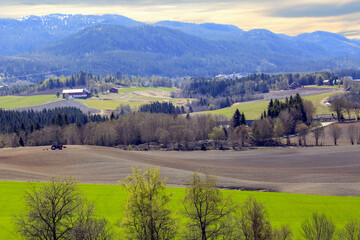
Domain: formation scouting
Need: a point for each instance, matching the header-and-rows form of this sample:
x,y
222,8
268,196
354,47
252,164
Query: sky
x,y
291,17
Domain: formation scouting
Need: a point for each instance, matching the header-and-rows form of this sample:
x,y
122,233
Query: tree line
x,y
30,121
162,125
162,107
57,210
132,129
94,83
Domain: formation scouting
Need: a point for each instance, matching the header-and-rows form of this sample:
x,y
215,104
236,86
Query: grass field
x,y
253,110
282,208
108,104
316,86
135,97
137,89
11,102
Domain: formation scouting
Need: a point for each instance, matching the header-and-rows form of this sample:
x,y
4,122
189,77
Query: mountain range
x,y
34,46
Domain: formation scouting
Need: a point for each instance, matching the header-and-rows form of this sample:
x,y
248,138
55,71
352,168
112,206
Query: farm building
x,y
294,85
114,90
324,118
76,93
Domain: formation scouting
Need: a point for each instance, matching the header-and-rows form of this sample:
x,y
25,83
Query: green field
x,y
137,89
11,102
316,86
282,208
108,104
320,109
253,110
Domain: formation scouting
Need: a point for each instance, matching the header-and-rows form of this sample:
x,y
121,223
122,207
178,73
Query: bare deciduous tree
x,y
57,211
319,227
302,130
262,131
348,106
309,109
288,122
239,135
335,132
253,221
356,109
318,131
352,132
337,106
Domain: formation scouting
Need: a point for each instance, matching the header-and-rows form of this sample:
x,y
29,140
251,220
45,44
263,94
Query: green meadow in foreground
x,y
253,110
11,102
282,208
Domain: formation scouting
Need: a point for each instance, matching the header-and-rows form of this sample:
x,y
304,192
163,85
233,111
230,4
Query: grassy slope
x,y
253,110
10,102
282,208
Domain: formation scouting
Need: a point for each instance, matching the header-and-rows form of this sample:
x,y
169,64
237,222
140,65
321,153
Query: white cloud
x,y
245,14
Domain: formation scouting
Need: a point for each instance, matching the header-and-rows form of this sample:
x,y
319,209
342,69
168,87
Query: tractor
x,y
56,145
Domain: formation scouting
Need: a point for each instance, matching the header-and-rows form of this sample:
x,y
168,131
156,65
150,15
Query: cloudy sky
x,y
280,16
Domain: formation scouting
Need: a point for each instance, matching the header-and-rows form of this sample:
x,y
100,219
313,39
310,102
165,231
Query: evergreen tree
x,y
242,119
270,108
21,142
236,118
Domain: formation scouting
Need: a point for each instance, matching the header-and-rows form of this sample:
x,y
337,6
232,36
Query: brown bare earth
x,y
314,170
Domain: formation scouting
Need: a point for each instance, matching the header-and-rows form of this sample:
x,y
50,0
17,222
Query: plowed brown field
x,y
320,170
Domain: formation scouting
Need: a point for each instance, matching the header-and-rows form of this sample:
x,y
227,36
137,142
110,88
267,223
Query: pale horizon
x,y
279,16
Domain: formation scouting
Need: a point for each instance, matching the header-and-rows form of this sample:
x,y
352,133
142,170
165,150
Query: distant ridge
x,y
67,44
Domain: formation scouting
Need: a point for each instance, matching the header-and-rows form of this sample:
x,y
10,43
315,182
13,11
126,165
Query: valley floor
x,y
324,170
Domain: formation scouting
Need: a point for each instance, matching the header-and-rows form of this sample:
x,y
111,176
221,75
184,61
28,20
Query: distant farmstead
x,y
76,93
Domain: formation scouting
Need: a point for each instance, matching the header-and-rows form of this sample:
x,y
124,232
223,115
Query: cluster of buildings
x,y
82,93
76,93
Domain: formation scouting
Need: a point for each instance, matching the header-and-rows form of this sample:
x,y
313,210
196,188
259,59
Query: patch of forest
x,y
159,125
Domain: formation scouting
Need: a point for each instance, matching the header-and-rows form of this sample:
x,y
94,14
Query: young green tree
x,y
351,231
217,134
147,214
284,233
278,129
210,215
57,211
319,227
